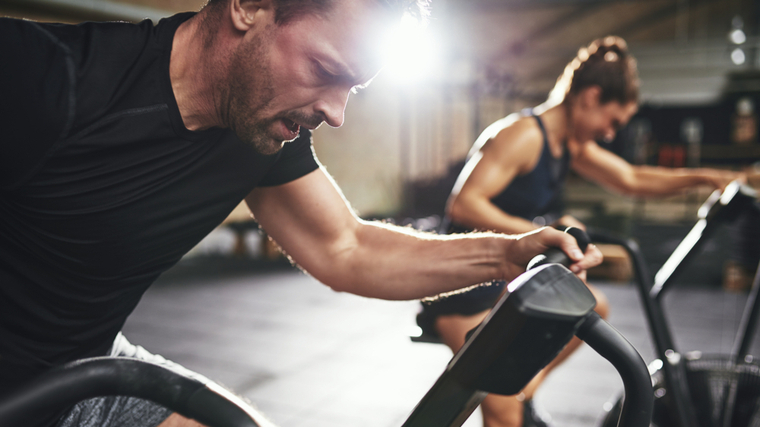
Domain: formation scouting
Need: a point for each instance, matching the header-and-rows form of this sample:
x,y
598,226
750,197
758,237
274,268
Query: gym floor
x,y
308,356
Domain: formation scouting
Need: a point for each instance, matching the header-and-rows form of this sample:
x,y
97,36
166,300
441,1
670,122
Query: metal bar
x,y
663,340
677,260
674,371
719,208
748,323
742,342
447,404
639,396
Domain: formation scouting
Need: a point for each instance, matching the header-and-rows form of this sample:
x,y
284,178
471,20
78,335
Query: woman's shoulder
x,y
521,133
516,125
518,142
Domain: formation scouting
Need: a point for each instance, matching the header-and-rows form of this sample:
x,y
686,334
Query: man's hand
x,y
521,250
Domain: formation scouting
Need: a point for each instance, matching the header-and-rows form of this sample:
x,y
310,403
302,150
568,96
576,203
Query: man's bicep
x,y
307,217
36,101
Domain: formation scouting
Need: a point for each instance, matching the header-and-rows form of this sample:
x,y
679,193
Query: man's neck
x,y
191,78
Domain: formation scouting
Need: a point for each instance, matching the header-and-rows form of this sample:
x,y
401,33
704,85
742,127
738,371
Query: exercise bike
x,y
528,327
692,389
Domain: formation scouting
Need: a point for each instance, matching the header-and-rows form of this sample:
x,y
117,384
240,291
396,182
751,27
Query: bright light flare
x,y
738,57
737,36
410,51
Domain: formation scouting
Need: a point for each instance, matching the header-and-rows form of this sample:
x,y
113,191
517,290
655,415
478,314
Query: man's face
x,y
299,74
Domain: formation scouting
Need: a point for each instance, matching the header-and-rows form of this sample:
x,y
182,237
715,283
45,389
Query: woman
x,y
513,180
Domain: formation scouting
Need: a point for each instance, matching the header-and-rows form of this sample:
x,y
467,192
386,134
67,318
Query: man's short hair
x,y
288,10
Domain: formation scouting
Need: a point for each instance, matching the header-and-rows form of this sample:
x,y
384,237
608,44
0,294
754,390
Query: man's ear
x,y
248,13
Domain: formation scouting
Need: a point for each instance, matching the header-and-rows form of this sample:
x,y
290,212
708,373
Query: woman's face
x,y
600,121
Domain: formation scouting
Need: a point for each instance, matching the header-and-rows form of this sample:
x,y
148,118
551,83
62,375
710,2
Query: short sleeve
x,y
296,159
36,100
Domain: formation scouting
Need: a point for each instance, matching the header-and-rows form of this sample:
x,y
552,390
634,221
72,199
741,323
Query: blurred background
x,y
404,141
406,135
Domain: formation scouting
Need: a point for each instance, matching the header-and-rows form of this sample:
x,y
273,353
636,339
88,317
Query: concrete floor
x,y
308,356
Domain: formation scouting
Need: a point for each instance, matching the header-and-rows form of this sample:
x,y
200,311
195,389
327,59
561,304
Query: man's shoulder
x,y
114,38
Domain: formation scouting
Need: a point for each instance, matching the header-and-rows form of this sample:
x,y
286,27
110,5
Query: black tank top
x,y
539,192
535,194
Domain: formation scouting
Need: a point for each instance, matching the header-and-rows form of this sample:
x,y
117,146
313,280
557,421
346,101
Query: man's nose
x,y
333,106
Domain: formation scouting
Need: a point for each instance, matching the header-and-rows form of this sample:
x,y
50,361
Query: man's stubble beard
x,y
250,89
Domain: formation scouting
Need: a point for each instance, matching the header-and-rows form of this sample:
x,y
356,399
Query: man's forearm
x,y
391,262
397,263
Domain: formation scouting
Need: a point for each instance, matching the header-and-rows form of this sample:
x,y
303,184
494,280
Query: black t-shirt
x,y
102,188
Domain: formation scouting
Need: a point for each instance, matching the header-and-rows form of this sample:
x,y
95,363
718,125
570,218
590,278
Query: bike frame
x,y
719,208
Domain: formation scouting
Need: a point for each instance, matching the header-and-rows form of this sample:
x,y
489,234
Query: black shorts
x,y
468,303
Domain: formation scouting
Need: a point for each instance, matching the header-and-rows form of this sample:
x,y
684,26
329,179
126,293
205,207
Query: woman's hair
x,y
606,63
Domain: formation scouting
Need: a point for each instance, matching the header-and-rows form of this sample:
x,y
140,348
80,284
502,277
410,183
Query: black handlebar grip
x,y
555,255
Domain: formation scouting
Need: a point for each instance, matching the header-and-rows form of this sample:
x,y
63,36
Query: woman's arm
x,y
612,172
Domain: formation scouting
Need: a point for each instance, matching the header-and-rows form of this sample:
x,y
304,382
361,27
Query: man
x,y
126,144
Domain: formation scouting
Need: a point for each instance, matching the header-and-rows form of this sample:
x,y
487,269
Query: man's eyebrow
x,y
343,71
336,67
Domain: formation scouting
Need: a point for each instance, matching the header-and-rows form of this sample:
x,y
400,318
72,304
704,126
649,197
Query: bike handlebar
x,y
555,255
529,325
610,344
